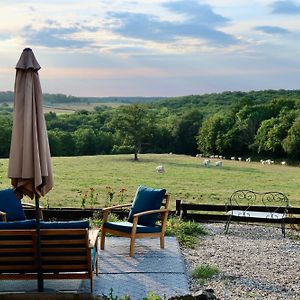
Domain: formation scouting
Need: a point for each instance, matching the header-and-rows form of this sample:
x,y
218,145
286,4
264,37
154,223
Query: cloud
x,y
149,27
285,7
271,29
54,37
202,13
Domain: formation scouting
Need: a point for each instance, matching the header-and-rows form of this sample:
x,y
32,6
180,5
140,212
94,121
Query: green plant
x,y
121,195
89,196
110,195
204,272
187,232
153,296
293,236
110,296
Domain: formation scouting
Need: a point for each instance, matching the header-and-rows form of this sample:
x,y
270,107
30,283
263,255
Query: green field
x,y
185,178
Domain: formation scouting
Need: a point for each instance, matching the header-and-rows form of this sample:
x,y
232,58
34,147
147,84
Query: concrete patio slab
x,y
152,269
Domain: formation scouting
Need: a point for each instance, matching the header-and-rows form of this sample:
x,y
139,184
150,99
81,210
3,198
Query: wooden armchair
x,y
142,218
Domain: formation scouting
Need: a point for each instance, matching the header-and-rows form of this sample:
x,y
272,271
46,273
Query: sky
x,y
153,47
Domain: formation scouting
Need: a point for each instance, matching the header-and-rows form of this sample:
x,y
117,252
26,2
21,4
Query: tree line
x,y
265,123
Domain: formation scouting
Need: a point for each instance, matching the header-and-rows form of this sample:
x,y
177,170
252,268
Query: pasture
x,y
71,108
185,178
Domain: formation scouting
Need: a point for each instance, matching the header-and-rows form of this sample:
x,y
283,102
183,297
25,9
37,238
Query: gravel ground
x,y
255,262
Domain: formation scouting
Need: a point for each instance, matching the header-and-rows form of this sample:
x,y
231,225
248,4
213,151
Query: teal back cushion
x,y
146,198
11,205
25,224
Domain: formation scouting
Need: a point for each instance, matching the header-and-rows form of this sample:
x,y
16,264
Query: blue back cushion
x,y
25,224
11,205
65,225
146,198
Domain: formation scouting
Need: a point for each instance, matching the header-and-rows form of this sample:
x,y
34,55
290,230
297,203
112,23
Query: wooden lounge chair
x,y
142,218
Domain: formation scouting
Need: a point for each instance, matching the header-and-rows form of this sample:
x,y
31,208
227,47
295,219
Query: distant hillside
x,y
53,99
211,103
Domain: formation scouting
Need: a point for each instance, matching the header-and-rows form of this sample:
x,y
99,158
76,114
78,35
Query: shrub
x,y
203,272
186,232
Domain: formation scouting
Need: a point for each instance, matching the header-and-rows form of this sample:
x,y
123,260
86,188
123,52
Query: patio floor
x,y
150,270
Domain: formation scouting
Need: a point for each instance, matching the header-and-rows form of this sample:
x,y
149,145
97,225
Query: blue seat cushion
x,y
146,198
25,224
127,227
11,205
65,225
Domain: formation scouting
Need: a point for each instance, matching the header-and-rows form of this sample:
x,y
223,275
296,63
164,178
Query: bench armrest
x,y
3,216
93,237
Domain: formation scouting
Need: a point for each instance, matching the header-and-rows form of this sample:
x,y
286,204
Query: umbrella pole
x,y
40,281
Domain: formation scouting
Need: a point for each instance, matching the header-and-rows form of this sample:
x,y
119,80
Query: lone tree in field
x,y
133,122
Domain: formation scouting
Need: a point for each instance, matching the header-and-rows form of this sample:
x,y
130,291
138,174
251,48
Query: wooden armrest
x,y
3,216
116,206
148,212
93,237
29,205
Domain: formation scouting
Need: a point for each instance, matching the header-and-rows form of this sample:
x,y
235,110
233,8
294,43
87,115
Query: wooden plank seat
x,y
65,254
245,204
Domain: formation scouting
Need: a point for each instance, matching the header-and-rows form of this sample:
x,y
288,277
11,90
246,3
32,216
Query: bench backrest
x,y
62,251
258,201
65,250
17,251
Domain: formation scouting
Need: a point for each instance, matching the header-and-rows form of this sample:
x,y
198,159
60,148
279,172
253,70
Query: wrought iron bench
x,y
246,205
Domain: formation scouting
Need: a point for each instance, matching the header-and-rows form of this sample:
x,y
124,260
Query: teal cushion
x,y
65,225
146,198
25,224
127,226
94,257
11,205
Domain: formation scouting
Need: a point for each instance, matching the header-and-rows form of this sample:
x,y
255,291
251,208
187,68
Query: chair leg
x,y
283,228
162,241
227,224
102,240
132,241
91,284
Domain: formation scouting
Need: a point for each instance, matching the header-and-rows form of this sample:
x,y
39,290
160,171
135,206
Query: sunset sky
x,y
153,47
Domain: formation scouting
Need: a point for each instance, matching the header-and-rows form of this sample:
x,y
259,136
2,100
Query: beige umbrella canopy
x,y
29,160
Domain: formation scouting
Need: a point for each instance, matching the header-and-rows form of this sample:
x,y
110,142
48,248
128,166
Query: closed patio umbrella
x,y
29,160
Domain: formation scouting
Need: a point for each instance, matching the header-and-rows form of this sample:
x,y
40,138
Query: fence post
x,y
178,207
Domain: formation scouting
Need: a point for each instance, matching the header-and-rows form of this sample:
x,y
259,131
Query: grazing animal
x,y
239,158
206,162
232,157
199,155
219,163
283,163
160,169
248,159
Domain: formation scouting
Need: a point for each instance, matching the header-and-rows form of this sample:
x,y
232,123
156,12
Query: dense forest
x,y
257,124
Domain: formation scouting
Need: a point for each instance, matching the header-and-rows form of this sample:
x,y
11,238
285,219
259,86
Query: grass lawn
x,y
185,178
